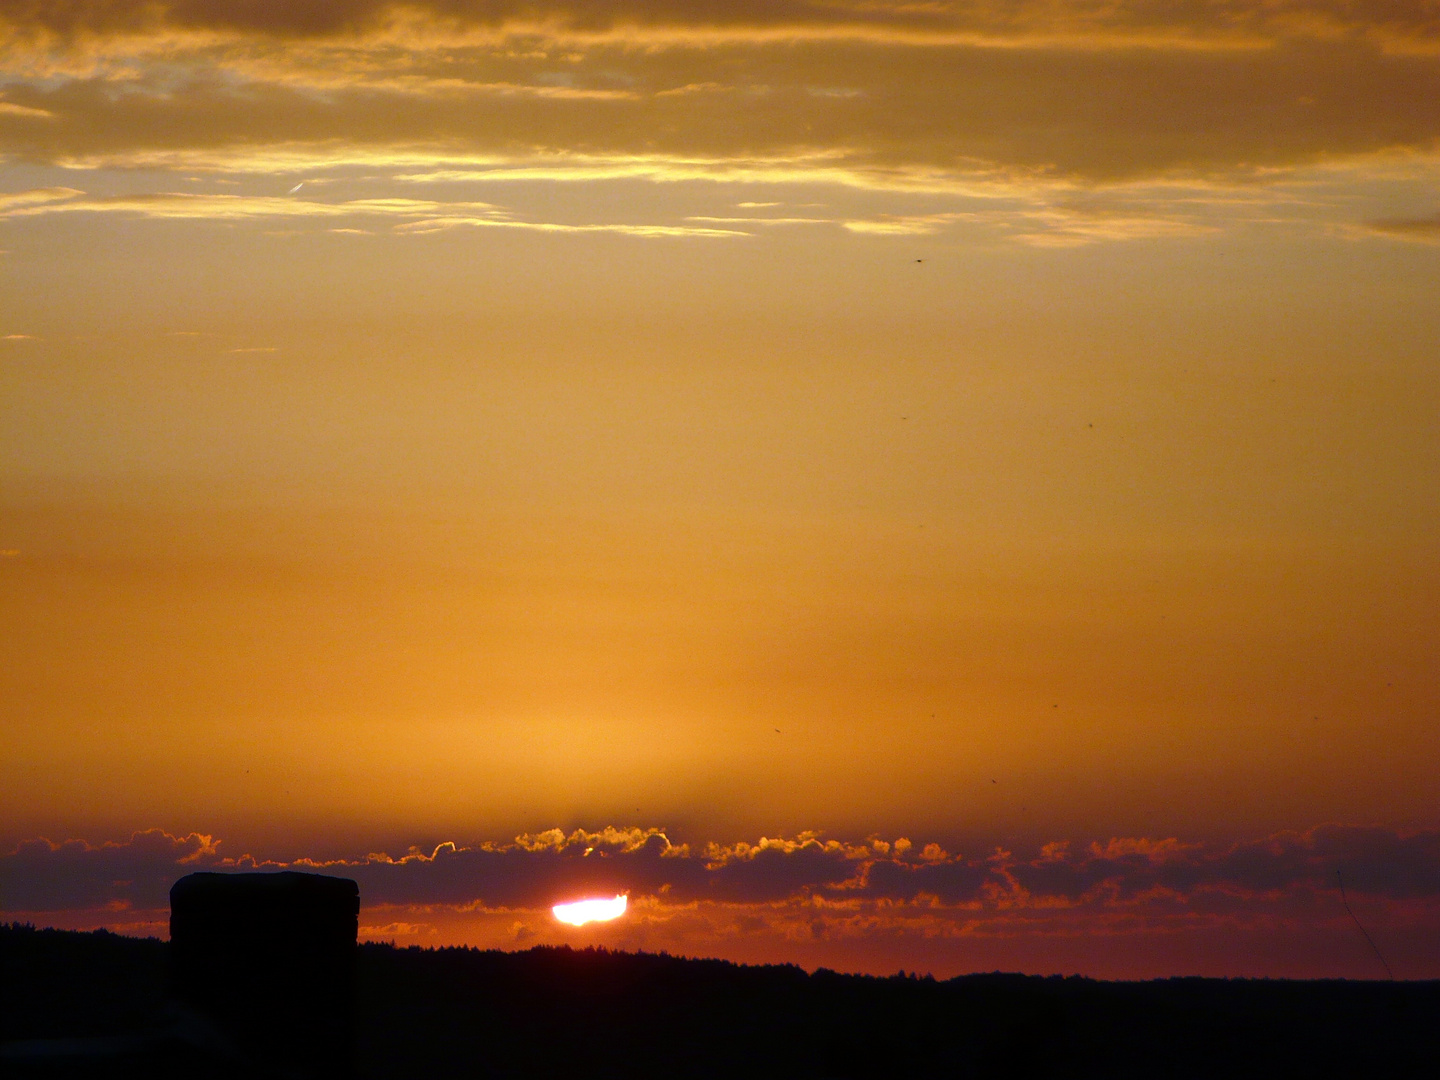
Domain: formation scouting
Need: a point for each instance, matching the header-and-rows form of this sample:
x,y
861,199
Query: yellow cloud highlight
x,y
438,224
1066,228
422,216
915,225
9,108
216,207
24,201
661,23
826,167
761,220
623,839
746,103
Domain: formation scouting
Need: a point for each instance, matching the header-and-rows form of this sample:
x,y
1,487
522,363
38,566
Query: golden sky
x,y
992,425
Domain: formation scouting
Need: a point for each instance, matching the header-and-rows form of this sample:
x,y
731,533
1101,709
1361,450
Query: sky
x,y
939,486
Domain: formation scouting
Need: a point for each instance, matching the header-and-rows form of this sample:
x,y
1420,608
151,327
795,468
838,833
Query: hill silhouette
x,y
550,1012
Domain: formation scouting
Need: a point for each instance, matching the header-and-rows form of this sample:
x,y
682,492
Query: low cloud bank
x,y
958,97
535,870
1240,23
1126,907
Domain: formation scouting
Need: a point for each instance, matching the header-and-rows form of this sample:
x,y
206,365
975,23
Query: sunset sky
x,y
927,485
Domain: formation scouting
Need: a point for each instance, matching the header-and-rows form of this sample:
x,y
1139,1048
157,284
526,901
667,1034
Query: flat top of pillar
x,y
288,884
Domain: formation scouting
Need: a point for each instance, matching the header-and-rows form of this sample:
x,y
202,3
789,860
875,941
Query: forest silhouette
x,y
551,1012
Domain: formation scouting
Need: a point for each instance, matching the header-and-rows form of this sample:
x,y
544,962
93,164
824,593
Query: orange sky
x,y
450,422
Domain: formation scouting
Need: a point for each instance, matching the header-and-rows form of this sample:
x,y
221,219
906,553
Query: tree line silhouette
x,y
553,1012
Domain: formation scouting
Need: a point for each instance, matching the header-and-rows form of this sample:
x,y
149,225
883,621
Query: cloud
x,y
9,108
906,224
417,215
1180,21
223,207
1119,907
722,220
529,872
1089,92
1069,227
438,224
74,875
1422,229
20,202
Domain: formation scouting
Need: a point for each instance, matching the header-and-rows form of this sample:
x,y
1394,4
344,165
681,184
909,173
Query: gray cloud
x,y
1411,19
74,875
534,871
1424,229
1293,84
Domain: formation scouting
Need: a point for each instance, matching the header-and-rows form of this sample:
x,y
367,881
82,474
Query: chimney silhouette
x,y
270,960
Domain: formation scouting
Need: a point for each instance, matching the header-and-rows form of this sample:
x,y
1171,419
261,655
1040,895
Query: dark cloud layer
x,y
1078,114
1408,18
534,871
1283,84
1425,229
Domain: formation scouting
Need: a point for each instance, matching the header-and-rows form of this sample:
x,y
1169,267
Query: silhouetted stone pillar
x,y
270,958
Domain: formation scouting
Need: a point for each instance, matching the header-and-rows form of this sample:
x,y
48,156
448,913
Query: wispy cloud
x,y
9,108
1172,24
223,207
1067,227
1421,229
415,215
1084,91
1024,214
21,202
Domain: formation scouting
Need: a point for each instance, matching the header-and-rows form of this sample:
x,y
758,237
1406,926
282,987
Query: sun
x,y
583,911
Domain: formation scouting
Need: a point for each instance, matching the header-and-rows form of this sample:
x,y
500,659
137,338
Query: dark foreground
x,y
564,1013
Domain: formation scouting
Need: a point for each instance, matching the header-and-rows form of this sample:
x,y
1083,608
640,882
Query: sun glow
x,y
583,911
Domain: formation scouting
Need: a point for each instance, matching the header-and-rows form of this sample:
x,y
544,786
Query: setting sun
x,y
583,911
